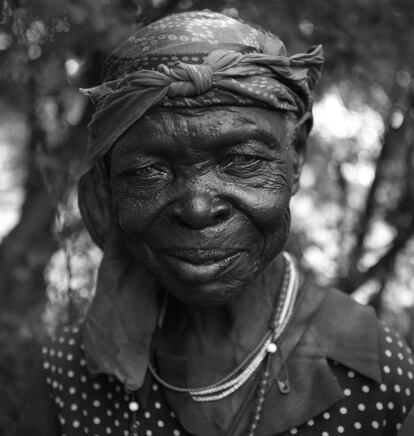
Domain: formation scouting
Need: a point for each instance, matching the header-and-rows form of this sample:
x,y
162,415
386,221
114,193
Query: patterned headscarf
x,y
197,59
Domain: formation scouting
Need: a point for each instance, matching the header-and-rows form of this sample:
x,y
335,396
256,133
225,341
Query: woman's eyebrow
x,y
261,136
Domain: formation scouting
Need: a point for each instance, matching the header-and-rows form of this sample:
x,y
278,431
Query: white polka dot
x,y
387,369
126,415
148,433
390,405
117,423
46,365
398,425
73,407
375,424
84,395
108,430
96,420
379,406
397,388
388,339
407,391
351,374
325,433
326,415
160,423
341,429
96,403
72,390
96,386
357,425
76,424
147,415
410,375
404,409
361,407
383,387
71,341
400,371
365,388
347,392
82,362
172,414
388,353
71,374
133,406
157,405
69,357
154,387
176,433
311,422
343,410
293,430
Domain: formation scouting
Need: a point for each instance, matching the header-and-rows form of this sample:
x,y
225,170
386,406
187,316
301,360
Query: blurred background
x,y
353,219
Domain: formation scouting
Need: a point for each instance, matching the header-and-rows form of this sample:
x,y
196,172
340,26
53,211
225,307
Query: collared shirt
x,y
340,372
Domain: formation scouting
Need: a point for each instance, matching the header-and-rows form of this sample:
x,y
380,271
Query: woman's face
x,y
202,198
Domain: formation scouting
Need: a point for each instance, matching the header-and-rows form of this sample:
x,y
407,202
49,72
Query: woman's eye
x,y
149,171
242,160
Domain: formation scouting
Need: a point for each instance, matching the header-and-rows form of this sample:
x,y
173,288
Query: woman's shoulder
x,y
353,335
66,367
81,398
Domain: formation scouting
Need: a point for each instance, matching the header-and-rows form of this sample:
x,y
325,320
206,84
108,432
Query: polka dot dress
x,y
99,405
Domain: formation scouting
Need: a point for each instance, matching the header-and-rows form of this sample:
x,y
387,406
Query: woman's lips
x,y
200,266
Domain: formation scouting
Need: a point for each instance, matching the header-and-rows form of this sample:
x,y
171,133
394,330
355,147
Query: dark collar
x,y
326,325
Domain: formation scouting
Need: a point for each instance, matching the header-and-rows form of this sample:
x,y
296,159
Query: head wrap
x,y
187,60
197,59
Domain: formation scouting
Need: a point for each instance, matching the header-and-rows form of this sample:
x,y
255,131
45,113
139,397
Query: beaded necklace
x,y
241,374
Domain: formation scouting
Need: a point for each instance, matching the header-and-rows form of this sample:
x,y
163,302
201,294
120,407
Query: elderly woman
x,y
202,324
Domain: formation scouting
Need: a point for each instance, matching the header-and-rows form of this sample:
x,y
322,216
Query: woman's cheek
x,y
133,216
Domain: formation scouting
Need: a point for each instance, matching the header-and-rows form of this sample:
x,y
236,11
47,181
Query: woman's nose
x,y
201,209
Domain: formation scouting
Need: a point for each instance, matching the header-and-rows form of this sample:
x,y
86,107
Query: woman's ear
x,y
94,198
299,152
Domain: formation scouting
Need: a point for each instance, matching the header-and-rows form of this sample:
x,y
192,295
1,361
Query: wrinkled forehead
x,y
197,130
188,37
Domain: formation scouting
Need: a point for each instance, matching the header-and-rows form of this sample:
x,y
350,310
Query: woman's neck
x,y
240,323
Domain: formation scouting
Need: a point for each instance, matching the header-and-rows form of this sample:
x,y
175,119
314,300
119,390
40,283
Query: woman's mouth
x,y
198,265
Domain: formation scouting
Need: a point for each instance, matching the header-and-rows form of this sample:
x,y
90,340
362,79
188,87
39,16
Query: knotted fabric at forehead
x,y
189,79
197,59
